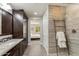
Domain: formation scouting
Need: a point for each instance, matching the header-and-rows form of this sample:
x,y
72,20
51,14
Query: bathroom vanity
x,y
15,24
15,48
12,47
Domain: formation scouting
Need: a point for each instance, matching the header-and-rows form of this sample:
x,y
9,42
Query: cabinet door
x,y
17,24
17,53
6,23
21,48
11,52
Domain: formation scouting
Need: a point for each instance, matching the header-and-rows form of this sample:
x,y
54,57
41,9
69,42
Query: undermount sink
x,y
3,47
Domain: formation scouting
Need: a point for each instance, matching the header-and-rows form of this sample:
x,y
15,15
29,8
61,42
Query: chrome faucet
x,y
4,40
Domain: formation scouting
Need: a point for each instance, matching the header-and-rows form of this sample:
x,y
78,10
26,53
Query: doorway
x,y
34,30
35,47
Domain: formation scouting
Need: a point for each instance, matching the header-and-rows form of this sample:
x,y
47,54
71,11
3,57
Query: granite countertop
x,y
6,46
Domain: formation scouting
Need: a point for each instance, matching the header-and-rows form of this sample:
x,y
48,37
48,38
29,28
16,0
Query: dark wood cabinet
x,y
13,24
17,24
18,19
23,47
6,23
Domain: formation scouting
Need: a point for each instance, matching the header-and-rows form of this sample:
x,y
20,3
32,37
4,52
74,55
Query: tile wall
x,y
72,23
51,29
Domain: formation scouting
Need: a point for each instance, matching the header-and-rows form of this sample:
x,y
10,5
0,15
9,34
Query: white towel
x,y
60,36
61,39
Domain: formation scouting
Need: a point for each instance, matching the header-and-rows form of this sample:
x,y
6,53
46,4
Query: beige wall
x,y
72,22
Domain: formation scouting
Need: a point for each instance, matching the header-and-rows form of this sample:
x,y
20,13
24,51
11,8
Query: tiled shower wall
x,y
51,32
72,23
54,15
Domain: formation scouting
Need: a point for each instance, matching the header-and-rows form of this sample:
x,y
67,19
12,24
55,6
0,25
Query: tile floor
x,y
35,49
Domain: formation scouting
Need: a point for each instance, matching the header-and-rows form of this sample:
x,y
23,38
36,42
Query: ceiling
x,y
31,8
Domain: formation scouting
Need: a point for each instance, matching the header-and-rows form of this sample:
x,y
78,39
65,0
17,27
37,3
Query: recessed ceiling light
x,y
35,13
